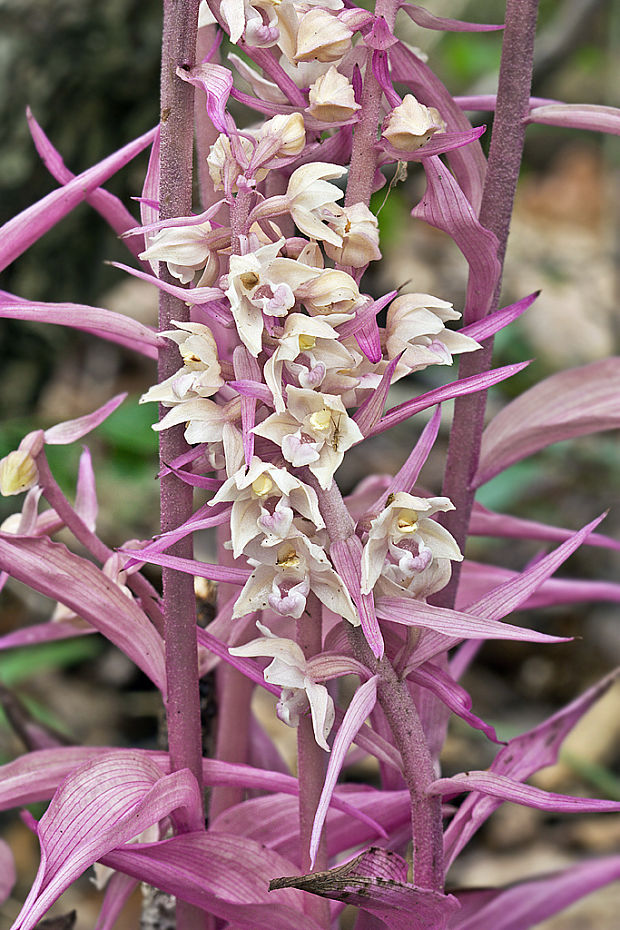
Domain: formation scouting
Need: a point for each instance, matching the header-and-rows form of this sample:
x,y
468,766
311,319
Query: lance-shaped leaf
x,y
577,116
408,474
494,322
509,789
51,569
459,388
99,806
376,881
117,892
358,710
521,757
225,875
369,413
86,491
19,233
231,575
346,554
439,144
43,633
571,403
422,17
8,875
205,296
439,683
485,522
528,903
106,324
71,430
445,206
106,204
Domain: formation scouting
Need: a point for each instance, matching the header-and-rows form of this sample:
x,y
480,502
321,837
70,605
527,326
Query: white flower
x,y
284,576
300,691
315,430
185,249
321,36
413,541
332,97
415,326
411,124
200,375
253,492
311,199
359,230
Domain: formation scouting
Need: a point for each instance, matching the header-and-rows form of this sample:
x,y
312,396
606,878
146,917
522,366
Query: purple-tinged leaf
x,y
253,389
86,505
43,633
491,324
19,233
191,295
346,555
369,311
486,522
571,403
376,882
32,733
368,339
52,570
358,710
99,806
463,386
223,874
523,756
427,20
439,683
117,892
217,516
229,575
107,324
440,143
380,37
468,163
149,201
528,903
408,474
369,413
508,789
381,69
217,83
106,204
8,875
455,623
577,116
444,206
71,430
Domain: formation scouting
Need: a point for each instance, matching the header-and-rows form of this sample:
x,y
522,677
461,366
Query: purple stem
x,y
505,153
311,768
176,498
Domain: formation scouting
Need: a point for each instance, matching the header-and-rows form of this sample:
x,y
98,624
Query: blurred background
x,y
89,71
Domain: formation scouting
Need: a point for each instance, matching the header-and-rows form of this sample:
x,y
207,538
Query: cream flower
x,y
200,375
330,291
284,575
315,430
312,199
359,230
405,532
322,36
314,341
289,132
332,97
18,472
300,692
415,326
254,491
185,249
411,124
244,19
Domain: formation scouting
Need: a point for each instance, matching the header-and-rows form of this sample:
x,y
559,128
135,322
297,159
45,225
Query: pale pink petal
x,y
19,233
71,430
86,492
376,882
217,83
358,710
52,570
571,403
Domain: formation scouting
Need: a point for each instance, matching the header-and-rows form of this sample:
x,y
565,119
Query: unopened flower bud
x,y
360,237
330,292
332,97
411,124
291,132
18,472
322,37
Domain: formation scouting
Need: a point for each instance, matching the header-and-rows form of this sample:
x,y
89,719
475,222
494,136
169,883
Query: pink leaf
x,y
440,143
19,233
369,413
118,891
439,683
224,573
577,116
71,430
486,522
217,83
52,570
494,322
571,403
445,206
346,554
426,20
375,881
86,505
408,474
470,385
99,806
358,710
8,875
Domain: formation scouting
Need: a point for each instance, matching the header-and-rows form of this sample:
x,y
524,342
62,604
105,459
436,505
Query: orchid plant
x,y
272,366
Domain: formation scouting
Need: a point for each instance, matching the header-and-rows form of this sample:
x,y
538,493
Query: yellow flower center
x,y
249,279
306,342
190,358
288,558
321,420
407,521
262,485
